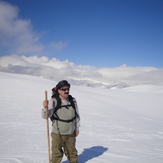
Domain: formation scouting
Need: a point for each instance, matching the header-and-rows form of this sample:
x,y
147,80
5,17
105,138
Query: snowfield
x,y
117,125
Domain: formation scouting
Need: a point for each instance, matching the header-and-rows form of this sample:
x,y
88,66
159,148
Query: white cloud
x,y
133,75
18,37
80,74
123,71
16,33
59,45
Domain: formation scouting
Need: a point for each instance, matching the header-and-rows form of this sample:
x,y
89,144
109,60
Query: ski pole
x,y
47,128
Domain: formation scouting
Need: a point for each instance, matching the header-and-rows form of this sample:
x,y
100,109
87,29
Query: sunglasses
x,y
65,89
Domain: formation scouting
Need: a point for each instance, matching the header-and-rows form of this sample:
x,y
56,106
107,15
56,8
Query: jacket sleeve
x,y
77,120
50,110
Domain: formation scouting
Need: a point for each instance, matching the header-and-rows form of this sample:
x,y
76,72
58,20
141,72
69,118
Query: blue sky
x,y
100,33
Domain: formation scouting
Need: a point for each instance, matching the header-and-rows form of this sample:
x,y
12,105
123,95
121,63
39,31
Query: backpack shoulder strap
x,y
56,106
72,101
58,103
73,104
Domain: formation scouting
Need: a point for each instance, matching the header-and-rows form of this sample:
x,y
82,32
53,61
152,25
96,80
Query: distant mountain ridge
x,y
109,78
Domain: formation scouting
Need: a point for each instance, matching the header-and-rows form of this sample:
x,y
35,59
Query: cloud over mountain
x,y
86,75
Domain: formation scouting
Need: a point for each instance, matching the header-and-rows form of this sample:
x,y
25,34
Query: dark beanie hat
x,y
62,83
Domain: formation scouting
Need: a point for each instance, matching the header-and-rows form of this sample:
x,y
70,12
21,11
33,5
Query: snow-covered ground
x,y
117,126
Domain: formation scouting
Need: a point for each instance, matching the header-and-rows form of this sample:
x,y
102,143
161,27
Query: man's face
x,y
64,91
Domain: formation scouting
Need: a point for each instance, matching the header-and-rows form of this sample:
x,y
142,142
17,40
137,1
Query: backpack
x,y
59,106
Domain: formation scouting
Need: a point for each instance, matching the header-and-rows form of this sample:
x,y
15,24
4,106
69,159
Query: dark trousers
x,y
63,144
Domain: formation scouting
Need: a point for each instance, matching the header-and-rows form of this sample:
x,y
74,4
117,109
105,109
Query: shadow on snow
x,y
90,153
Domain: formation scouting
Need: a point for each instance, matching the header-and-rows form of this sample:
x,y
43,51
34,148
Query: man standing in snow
x,y
65,125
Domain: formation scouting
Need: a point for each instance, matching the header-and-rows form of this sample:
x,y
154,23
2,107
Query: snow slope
x,y
117,126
